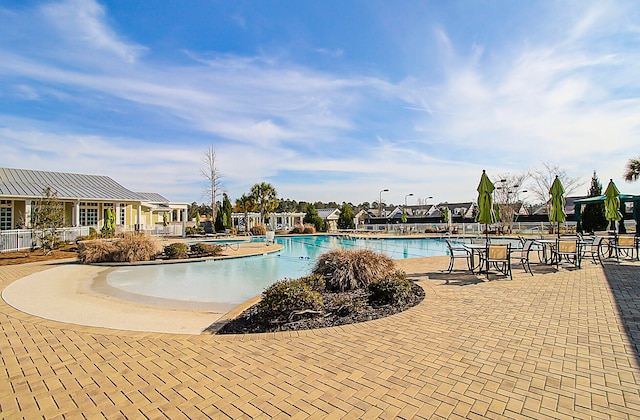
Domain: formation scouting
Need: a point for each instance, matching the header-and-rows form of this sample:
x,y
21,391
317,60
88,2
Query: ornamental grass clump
x,y
96,251
309,228
351,269
134,247
258,230
131,247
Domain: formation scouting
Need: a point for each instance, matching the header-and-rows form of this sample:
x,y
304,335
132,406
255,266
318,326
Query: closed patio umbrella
x,y
486,214
612,203
557,213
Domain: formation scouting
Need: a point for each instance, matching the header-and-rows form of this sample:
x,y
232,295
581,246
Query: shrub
x,y
430,230
289,295
176,250
393,288
130,248
352,269
297,229
348,305
315,281
134,247
259,230
206,249
309,228
95,251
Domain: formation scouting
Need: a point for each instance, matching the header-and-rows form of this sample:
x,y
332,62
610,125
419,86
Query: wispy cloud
x,y
569,97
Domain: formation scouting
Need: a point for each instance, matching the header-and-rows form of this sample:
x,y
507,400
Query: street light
x,y
405,198
380,202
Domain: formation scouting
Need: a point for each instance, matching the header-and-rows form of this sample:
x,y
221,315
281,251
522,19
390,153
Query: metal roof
x,y
326,213
28,183
153,197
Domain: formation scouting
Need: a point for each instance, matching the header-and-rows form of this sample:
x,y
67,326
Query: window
x,y
88,214
123,213
5,215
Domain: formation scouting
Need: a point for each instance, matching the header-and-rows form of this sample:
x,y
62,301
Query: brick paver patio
x,y
556,345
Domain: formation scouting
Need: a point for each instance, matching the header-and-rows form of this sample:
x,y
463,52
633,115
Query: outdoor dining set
x,y
486,255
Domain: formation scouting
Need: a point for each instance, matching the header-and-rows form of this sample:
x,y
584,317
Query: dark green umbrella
x,y
486,214
612,203
557,213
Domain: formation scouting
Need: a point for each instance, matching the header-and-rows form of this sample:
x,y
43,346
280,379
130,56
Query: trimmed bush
x,y
392,289
206,249
259,230
176,250
349,305
289,295
96,251
134,247
352,269
315,281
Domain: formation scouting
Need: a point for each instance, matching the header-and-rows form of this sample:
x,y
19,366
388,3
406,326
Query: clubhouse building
x,y
86,199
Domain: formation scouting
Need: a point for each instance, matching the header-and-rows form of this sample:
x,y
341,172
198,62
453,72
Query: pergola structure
x,y
624,198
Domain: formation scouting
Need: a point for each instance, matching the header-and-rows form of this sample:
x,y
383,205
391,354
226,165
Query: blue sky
x,y
330,100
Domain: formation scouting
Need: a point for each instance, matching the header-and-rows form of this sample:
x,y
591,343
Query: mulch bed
x,y
334,314
23,257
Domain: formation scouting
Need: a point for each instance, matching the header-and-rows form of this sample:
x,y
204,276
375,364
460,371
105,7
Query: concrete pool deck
x,y
557,345
79,294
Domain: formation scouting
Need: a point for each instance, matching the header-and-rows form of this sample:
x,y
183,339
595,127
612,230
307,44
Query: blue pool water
x,y
231,282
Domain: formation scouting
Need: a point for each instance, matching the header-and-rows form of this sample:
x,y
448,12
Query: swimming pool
x,y
231,282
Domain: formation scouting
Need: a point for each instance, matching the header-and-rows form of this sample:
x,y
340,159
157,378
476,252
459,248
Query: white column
x,y
117,213
27,213
139,216
76,214
184,222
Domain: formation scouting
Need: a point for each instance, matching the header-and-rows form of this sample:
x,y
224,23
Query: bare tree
x,y
213,176
507,189
542,179
47,219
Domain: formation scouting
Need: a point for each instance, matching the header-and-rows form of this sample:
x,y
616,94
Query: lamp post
x,y
380,202
405,198
426,205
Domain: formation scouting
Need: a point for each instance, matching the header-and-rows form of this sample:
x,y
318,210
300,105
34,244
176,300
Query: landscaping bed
x,y
335,313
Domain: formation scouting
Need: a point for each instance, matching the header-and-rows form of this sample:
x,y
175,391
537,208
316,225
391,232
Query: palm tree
x,y
245,204
265,198
633,170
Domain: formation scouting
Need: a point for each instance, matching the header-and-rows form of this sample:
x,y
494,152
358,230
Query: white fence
x,y
21,239
536,228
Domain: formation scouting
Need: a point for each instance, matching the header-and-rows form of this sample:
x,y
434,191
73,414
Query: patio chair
x,y
457,251
593,249
625,245
522,256
569,250
499,256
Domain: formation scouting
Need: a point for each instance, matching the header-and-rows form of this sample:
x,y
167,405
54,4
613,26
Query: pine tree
x,y
593,214
345,221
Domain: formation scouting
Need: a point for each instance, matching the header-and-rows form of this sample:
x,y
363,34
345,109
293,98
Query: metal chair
x,y
625,245
456,251
569,250
499,256
593,249
522,257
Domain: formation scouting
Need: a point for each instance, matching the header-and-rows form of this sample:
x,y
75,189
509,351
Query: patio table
x,y
480,250
548,245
